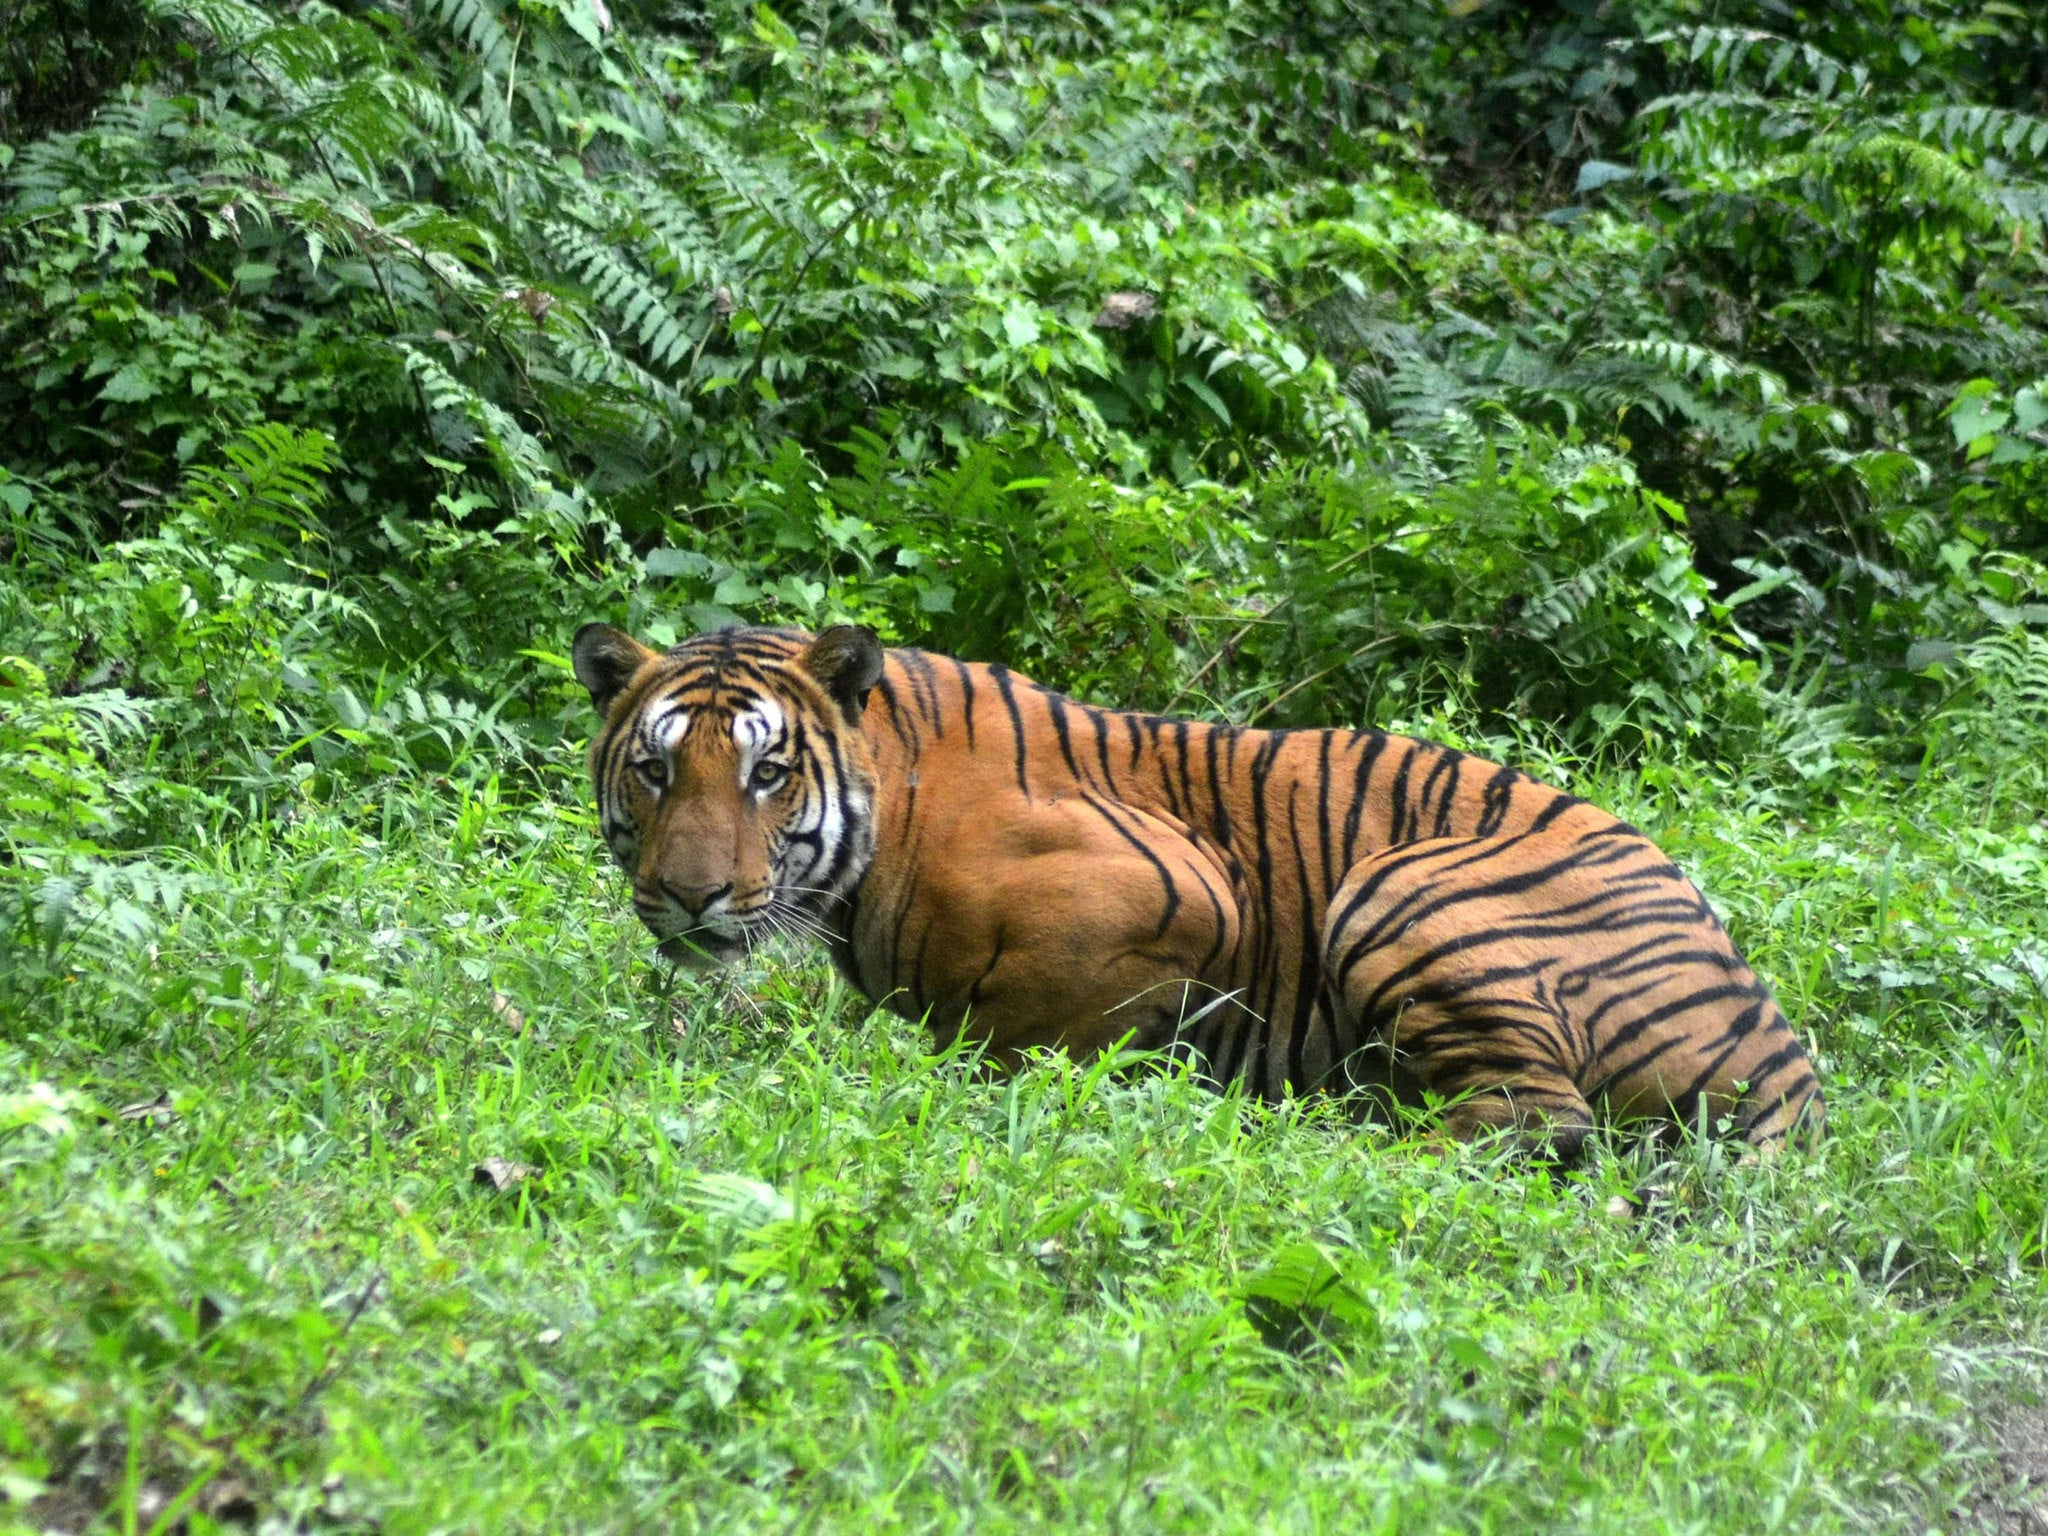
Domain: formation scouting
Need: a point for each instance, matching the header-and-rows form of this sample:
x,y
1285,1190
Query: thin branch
x,y
326,1378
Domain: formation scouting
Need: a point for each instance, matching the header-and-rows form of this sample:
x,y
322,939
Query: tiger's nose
x,y
696,900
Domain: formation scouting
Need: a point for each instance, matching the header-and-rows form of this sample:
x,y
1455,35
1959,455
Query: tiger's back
x,y
1296,909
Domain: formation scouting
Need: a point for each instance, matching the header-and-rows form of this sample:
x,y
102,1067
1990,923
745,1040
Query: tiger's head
x,y
734,783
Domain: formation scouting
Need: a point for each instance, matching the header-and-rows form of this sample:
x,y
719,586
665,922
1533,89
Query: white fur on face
x,y
668,728
657,731
754,732
820,811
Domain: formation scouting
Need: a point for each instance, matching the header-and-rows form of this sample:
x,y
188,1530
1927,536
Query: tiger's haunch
x,y
1296,909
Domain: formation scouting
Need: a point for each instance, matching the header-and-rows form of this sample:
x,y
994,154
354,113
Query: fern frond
x,y
1715,371
589,358
274,478
231,22
1908,169
1727,52
518,456
664,336
1988,130
476,23
676,241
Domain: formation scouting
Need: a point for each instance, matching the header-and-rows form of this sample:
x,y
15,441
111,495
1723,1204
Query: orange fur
x,y
1296,909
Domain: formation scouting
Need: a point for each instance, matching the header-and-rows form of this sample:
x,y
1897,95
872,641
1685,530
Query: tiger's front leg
x,y
1068,926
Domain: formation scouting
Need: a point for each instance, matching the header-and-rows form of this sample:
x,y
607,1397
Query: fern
x,y
529,271
273,480
663,335
231,23
1730,52
476,23
677,243
1994,726
1988,130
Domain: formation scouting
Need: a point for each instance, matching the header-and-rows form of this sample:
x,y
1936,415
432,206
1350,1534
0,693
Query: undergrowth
x,y
384,1184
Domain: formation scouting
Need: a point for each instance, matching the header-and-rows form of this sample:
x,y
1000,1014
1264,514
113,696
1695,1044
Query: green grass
x,y
776,1267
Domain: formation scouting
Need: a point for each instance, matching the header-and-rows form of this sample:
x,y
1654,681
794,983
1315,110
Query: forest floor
x,y
393,1189
2017,1502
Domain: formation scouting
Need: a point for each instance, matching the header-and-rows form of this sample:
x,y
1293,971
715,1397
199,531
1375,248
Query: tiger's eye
x,y
767,776
653,770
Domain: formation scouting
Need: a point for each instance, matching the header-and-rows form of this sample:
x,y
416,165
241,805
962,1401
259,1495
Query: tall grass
x,y
760,1260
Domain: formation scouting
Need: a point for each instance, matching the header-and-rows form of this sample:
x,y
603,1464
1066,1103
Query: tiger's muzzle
x,y
698,927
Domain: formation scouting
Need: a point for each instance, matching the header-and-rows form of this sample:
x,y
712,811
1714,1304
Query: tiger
x,y
1299,911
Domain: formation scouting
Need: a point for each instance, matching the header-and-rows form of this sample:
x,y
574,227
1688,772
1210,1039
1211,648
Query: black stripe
x,y
1643,1023
1322,834
1056,708
1407,911
1222,928
1499,794
1001,677
924,683
1307,962
1158,864
1187,786
966,698
995,955
1266,954
1395,860
1451,989
1402,822
899,720
1361,780
1153,727
1219,812
1101,727
1447,796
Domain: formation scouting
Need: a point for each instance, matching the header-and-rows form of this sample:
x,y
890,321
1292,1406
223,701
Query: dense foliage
x,y
1069,335
1659,389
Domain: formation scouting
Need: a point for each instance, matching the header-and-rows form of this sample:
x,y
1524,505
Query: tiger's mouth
x,y
704,949
701,944
732,936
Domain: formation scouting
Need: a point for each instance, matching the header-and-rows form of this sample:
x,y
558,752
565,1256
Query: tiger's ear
x,y
847,659
606,659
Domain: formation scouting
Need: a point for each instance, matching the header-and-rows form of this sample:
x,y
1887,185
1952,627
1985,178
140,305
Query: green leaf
x,y
2011,613
2029,408
1595,174
735,590
676,562
1302,1288
1749,592
1208,397
129,384
1020,326
1926,653
348,709
1976,414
